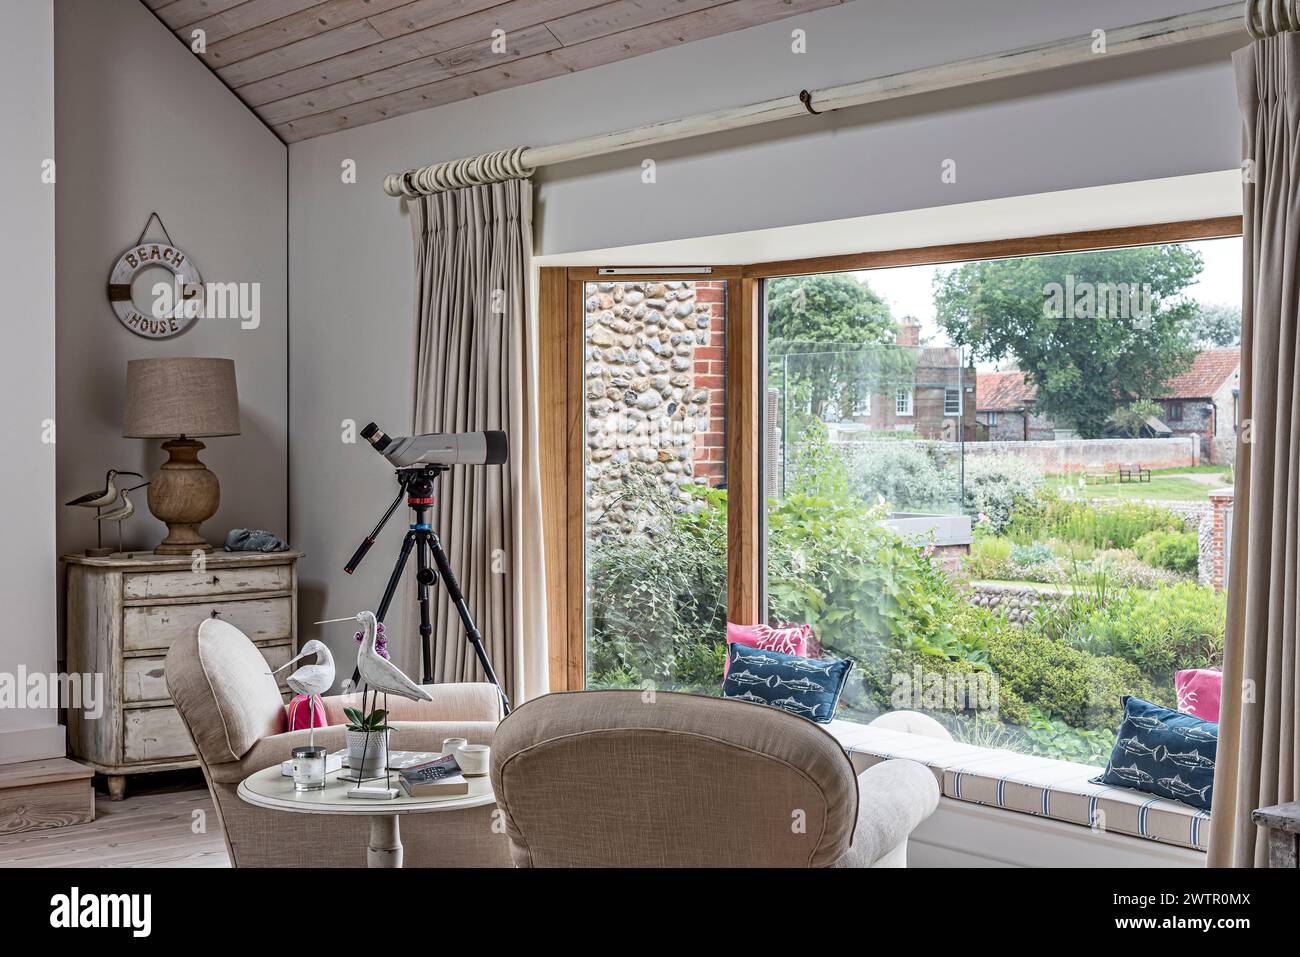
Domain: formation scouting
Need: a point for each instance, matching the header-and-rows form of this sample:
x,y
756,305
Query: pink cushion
x,y
787,639
300,715
1198,691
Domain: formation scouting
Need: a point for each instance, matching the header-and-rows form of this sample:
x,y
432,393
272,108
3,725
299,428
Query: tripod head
x,y
415,484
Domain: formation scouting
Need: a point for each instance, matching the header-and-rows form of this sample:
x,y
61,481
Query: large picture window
x,y
1013,583
957,465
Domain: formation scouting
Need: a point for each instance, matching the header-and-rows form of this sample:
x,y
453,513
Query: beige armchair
x,y
626,779
235,715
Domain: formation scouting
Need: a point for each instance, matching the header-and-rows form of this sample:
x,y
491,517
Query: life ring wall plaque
x,y
187,307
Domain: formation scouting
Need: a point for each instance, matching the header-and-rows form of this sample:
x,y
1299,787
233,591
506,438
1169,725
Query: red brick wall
x,y
1222,503
711,374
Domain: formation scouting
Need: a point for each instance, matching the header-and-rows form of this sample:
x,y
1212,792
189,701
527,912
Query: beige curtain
x,y
1258,755
475,368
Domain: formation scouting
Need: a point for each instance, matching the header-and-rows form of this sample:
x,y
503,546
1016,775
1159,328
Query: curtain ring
x,y
1254,19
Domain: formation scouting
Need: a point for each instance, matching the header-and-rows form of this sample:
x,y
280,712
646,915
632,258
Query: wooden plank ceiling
x,y
311,67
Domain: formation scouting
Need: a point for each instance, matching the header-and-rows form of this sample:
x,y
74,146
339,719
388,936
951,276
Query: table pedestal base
x,y
385,842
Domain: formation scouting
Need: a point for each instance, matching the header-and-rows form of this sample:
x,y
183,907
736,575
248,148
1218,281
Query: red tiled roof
x,y
1003,391
1210,369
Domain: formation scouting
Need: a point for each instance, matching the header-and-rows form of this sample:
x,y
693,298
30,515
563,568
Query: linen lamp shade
x,y
179,399
167,398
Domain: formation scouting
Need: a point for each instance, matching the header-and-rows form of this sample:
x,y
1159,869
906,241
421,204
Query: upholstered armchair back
x,y
219,682
631,779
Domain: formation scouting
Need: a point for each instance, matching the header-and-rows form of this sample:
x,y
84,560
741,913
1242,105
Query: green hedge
x,y
1176,551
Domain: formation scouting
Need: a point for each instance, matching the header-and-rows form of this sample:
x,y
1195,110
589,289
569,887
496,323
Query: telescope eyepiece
x,y
376,437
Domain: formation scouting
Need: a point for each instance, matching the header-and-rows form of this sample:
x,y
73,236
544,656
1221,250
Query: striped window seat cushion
x,y
1059,790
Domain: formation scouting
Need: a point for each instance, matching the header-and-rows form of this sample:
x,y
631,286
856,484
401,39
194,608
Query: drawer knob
x,y
216,580
215,613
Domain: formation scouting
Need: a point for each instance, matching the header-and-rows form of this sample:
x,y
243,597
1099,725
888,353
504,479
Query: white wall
x,y
27,587
143,125
1119,120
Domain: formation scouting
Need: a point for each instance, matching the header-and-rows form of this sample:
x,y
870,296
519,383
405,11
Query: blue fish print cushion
x,y
1163,752
808,687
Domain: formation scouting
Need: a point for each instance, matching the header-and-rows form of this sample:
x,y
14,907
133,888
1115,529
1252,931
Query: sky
x,y
909,289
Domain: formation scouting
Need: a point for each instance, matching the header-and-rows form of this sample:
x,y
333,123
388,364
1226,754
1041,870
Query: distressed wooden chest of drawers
x,y
123,613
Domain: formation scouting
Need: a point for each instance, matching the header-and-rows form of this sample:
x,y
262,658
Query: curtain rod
x,y
521,161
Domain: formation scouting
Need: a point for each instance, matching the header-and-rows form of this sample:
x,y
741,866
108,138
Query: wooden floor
x,y
156,826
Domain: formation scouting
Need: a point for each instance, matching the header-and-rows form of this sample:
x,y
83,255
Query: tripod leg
x,y
391,588
472,634
423,578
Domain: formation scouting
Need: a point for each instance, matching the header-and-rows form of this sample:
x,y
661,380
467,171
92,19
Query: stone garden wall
x,y
654,377
1017,602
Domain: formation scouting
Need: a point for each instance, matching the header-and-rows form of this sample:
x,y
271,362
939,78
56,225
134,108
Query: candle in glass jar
x,y
309,768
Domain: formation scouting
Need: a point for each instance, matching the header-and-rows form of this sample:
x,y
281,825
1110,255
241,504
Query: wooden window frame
x,y
561,325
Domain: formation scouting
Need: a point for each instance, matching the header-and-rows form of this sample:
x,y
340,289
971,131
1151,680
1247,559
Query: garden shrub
x,y
995,484
657,620
990,557
1127,571
908,476
1082,689
861,587
1034,554
882,674
1051,737
1163,631
1175,551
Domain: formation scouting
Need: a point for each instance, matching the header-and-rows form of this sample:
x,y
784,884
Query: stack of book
x,y
440,777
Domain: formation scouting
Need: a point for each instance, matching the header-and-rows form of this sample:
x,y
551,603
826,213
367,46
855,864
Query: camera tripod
x,y
416,485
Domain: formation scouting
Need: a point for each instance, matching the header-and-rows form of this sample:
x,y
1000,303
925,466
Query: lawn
x,y
1183,485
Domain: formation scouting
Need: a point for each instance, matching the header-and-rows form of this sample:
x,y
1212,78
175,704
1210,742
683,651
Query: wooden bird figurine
x,y
311,680
379,674
121,513
98,499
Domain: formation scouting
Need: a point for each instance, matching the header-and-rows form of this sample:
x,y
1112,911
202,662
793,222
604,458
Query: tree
x,y
1093,331
1217,325
1132,419
820,329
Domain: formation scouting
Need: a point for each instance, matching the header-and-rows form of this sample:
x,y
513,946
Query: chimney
x,y
909,332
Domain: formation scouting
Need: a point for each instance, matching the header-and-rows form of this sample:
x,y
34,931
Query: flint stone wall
x,y
646,345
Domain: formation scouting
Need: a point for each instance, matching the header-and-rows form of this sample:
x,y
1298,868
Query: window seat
x,y
1058,790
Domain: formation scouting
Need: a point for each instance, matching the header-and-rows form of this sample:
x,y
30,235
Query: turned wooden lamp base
x,y
184,494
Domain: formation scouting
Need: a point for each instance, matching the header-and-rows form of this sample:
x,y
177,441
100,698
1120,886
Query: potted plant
x,y
367,736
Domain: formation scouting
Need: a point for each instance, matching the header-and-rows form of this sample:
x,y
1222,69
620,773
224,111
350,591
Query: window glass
x,y
1028,526
655,484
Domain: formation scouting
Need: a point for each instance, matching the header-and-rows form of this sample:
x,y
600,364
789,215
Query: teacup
x,y
474,759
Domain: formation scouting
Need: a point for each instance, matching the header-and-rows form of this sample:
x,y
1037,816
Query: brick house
x,y
937,402
1202,402
1005,407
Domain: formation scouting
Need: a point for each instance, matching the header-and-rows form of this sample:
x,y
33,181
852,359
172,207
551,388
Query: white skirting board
x,y
961,834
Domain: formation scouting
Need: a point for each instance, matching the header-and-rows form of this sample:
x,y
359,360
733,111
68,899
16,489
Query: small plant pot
x,y
367,753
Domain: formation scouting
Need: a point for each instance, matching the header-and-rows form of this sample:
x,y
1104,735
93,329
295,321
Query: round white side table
x,y
269,788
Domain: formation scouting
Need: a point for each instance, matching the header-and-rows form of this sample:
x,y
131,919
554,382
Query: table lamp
x,y
181,399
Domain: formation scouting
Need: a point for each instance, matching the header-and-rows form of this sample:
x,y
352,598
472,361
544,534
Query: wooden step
x,y
53,792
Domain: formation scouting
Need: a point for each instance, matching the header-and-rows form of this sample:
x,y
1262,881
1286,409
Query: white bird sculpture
x,y
311,680
105,496
101,497
121,513
378,673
